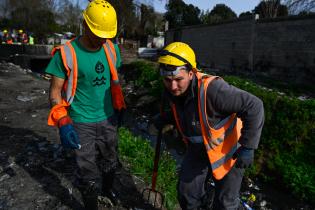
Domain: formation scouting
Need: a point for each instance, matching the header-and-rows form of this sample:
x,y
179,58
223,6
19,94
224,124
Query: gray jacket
x,y
222,100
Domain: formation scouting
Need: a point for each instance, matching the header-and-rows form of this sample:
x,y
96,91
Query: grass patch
x,y
138,153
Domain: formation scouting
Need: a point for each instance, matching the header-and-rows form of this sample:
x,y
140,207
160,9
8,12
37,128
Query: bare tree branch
x,y
296,6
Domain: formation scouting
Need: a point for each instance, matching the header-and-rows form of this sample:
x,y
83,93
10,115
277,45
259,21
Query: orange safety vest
x,y
227,132
9,41
69,60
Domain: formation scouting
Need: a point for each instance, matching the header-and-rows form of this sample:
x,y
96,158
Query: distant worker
x,y
31,39
220,124
19,36
9,38
1,37
22,37
85,94
5,36
14,36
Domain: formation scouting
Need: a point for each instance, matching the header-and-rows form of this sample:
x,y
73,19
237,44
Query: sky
x,y
238,6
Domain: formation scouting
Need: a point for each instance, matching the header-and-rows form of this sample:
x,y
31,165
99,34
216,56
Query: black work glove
x,y
245,157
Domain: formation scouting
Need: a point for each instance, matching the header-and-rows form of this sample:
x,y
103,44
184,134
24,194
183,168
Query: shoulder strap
x,y
69,60
68,56
111,49
111,58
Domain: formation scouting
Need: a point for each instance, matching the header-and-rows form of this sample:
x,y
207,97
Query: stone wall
x,y
7,50
281,48
34,57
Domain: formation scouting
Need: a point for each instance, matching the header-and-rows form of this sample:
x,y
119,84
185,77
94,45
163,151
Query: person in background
x,y
1,37
84,95
219,123
5,36
31,39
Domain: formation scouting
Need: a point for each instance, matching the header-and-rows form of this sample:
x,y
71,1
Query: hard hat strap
x,y
166,52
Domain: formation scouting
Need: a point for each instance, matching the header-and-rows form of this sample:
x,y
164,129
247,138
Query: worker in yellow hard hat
x,y
6,39
219,124
85,95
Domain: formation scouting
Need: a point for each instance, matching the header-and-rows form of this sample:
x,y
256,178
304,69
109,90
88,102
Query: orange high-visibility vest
x,y
227,132
69,60
10,41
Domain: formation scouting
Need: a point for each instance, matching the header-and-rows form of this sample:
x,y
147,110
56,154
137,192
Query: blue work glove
x,y
68,136
245,157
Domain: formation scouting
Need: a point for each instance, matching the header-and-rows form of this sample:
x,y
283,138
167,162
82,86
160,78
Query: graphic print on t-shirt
x,y
100,79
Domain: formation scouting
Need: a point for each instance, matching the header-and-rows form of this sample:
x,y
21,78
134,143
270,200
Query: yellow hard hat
x,y
101,18
5,31
178,54
20,31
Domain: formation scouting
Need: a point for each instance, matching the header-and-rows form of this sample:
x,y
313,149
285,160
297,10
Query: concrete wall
x,y
278,48
34,57
9,50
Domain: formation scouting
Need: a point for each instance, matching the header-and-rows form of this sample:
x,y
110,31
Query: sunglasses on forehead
x,y
170,70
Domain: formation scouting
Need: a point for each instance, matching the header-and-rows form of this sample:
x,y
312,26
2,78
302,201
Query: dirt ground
x,y
35,172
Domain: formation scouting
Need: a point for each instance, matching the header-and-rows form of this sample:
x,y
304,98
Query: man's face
x,y
95,41
178,84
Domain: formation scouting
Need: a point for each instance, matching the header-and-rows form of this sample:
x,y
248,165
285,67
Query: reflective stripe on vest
x,y
70,59
226,132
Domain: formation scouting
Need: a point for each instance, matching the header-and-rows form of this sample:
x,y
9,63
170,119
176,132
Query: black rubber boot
x,y
107,187
90,192
90,202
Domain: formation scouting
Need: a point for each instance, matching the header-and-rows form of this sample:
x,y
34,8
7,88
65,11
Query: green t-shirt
x,y
92,101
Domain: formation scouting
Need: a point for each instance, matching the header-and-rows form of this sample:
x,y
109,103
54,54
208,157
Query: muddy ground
x,y
36,173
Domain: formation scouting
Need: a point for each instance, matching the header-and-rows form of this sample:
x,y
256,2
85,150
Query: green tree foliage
x,y
127,19
180,14
30,15
219,13
247,14
271,9
147,21
68,15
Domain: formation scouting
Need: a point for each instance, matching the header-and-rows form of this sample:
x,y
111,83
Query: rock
x,y
263,203
145,101
4,177
142,91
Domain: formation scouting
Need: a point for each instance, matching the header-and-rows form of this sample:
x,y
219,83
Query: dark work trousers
x,y
97,159
193,174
